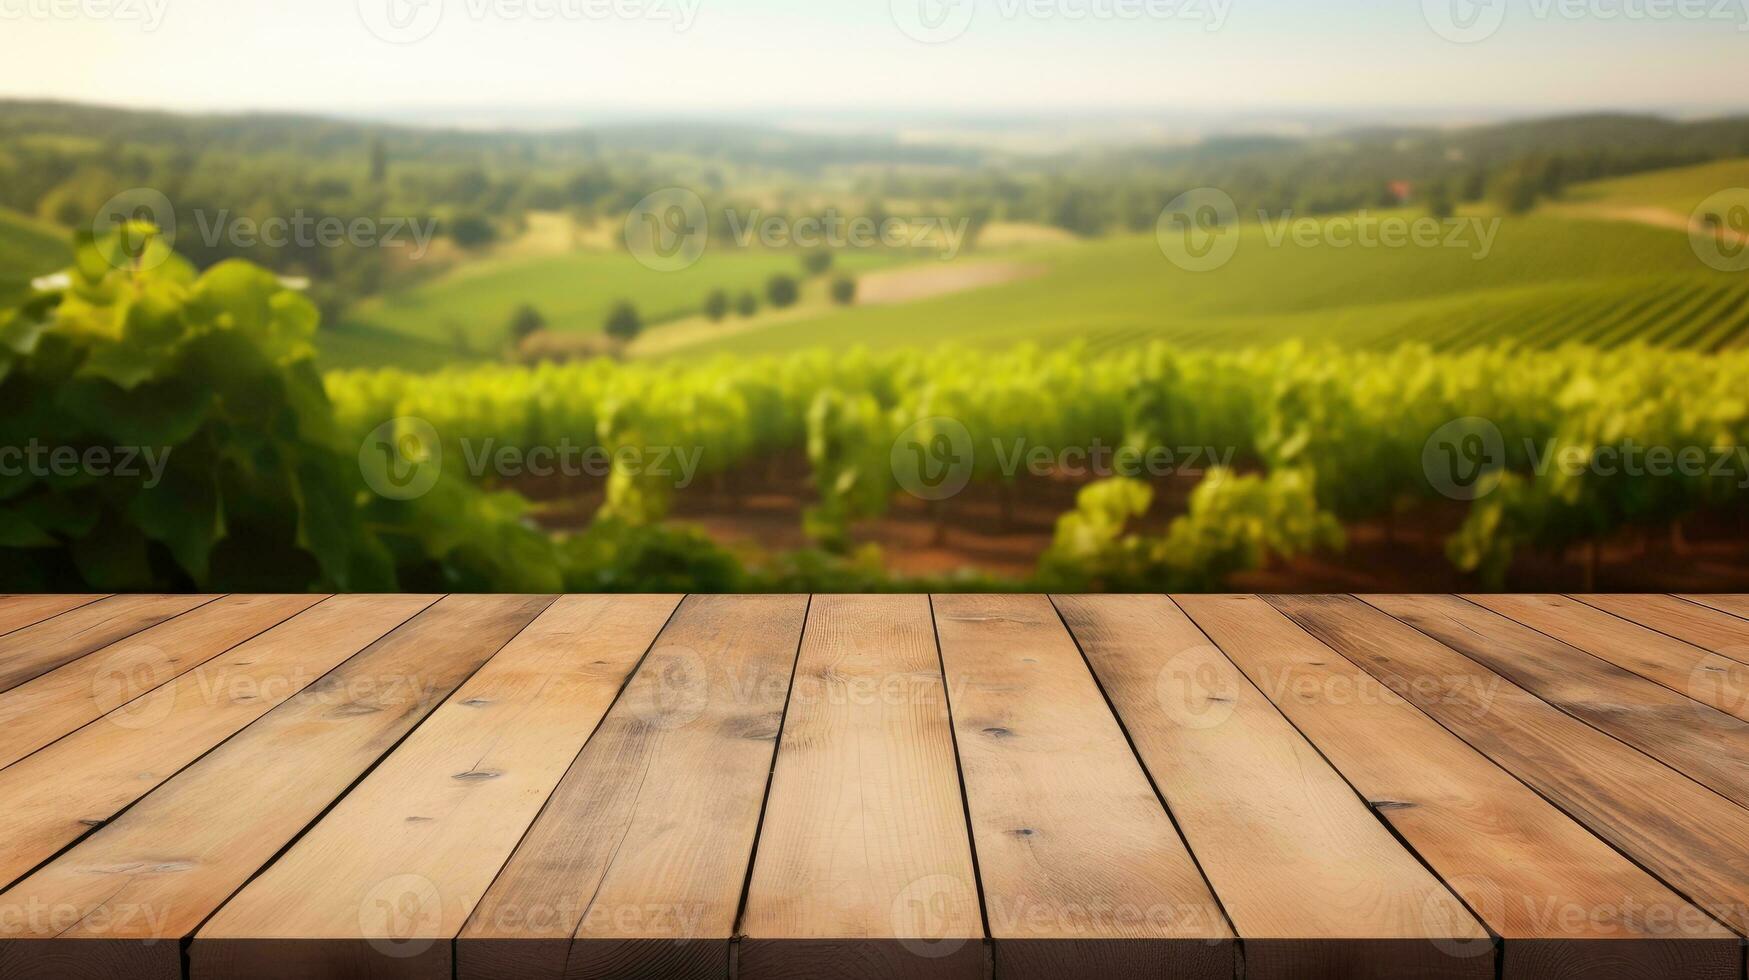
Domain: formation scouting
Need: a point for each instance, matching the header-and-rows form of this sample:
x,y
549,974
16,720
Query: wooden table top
x,y
954,786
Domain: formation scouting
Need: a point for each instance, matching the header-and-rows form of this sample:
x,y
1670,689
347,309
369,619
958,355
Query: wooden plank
x,y
1693,839
1692,622
865,813
39,711
432,826
1736,605
34,650
19,611
1565,904
635,866
1314,882
126,896
59,793
1683,667
1083,873
1708,745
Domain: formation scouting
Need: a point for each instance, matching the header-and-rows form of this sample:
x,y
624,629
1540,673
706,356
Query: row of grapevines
x,y
1342,435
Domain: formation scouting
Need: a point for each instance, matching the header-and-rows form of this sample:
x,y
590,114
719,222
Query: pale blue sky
x,y
321,54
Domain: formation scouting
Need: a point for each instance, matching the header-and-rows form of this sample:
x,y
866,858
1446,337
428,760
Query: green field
x,y
572,291
28,249
1546,280
1680,190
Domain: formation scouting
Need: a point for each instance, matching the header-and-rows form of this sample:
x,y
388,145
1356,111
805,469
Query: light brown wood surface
x,y
864,865
1250,794
19,611
1703,742
61,792
145,882
400,863
789,787
1691,838
1564,902
1716,681
1082,868
636,865
32,650
40,710
1702,622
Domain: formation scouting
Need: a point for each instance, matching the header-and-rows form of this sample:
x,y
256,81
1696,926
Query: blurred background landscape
x,y
976,296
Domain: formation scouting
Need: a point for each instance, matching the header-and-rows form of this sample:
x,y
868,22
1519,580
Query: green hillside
x,y
29,249
572,291
1545,279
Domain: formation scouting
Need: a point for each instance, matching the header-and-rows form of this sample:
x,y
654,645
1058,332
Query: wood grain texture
x,y
40,710
59,793
1704,622
1716,681
33,650
1293,853
1708,745
431,827
1736,605
635,867
145,882
19,611
1693,839
865,804
1081,865
1564,902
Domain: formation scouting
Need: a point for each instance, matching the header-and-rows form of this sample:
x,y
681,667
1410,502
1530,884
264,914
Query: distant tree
x,y
379,160
844,290
1475,186
782,291
1517,189
623,323
525,323
816,263
747,304
1439,202
472,231
716,305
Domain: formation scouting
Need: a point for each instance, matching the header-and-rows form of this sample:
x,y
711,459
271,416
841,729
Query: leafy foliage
x,y
198,448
